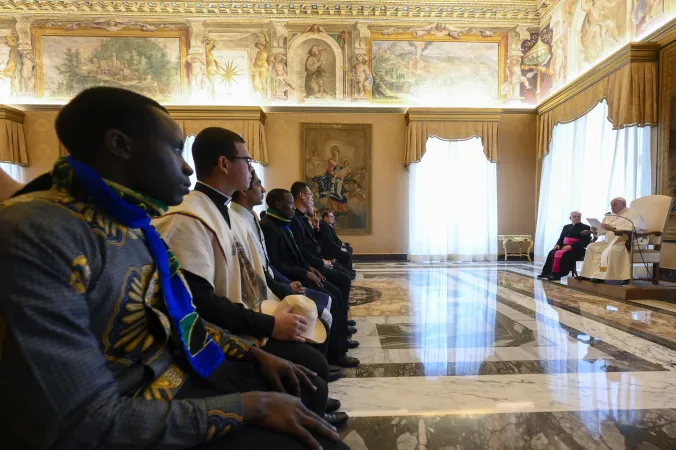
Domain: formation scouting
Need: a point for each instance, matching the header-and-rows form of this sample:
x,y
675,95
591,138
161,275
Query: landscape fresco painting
x,y
149,66
337,166
424,71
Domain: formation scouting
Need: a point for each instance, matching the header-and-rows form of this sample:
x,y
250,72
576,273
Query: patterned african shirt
x,y
87,357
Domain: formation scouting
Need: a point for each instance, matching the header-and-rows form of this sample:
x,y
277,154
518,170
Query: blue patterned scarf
x,y
134,210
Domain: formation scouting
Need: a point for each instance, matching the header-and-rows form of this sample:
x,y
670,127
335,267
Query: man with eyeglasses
x,y
219,259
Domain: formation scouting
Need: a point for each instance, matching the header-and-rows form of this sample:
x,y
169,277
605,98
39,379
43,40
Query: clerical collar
x,y
216,196
300,213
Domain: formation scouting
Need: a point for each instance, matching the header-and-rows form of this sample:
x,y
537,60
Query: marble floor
x,y
485,356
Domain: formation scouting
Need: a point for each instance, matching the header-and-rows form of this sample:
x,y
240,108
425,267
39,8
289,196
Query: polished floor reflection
x,y
485,356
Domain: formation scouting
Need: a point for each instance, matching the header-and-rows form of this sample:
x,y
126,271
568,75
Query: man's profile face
x,y
239,170
330,219
616,206
306,199
286,207
156,166
257,191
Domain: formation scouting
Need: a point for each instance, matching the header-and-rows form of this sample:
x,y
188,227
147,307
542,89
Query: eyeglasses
x,y
248,159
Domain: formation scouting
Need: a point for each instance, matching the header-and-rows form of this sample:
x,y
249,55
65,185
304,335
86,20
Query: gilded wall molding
x,y
12,114
189,112
453,115
633,52
510,11
663,35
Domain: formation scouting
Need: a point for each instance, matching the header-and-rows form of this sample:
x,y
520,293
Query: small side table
x,y
518,238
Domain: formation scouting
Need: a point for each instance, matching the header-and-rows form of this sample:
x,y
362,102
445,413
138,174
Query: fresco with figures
x,y
410,71
332,62
336,162
578,34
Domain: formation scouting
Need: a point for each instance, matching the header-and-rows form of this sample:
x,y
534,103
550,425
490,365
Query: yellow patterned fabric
x,y
631,93
423,124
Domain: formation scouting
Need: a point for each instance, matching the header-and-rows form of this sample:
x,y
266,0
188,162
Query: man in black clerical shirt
x,y
331,245
286,257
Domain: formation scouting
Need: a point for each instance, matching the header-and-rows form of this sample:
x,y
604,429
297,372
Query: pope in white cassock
x,y
608,260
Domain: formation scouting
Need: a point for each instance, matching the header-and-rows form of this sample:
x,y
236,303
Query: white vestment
x,y
205,245
609,259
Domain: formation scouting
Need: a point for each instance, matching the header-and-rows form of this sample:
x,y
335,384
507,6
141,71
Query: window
x,y
453,211
15,171
588,165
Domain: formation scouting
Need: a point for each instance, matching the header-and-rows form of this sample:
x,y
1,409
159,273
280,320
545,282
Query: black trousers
x,y
256,438
338,332
568,261
345,260
340,279
298,353
240,377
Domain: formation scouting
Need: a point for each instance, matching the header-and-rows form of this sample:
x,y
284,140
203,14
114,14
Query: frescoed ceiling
x,y
454,53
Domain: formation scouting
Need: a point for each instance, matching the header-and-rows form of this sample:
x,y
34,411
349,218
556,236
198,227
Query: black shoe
x,y
351,330
351,323
351,344
597,281
345,361
581,278
335,374
353,272
555,277
352,277
542,276
332,405
337,419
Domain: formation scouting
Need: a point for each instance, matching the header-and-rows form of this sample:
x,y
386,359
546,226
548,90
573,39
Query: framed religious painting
x,y
151,63
336,163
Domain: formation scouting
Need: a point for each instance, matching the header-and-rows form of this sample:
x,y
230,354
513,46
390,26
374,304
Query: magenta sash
x,y
556,268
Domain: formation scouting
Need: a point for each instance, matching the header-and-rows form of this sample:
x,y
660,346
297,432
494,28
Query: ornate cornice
x,y
633,52
663,35
216,113
453,114
13,114
493,11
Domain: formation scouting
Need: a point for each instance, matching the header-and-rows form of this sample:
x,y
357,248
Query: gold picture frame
x,y
500,38
336,164
40,33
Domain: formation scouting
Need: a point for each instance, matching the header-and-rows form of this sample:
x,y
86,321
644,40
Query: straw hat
x,y
302,306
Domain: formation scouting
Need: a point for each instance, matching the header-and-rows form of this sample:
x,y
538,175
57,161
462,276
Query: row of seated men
x,y
136,313
605,260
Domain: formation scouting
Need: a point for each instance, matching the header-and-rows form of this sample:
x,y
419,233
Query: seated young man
x,y
287,258
242,205
215,250
100,344
331,245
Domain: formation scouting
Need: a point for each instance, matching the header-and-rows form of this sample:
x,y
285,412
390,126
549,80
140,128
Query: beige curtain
x,y
12,138
631,93
451,125
253,132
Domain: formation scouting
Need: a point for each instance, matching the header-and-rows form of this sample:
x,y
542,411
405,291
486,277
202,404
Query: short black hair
x,y
235,195
297,188
275,196
325,214
210,144
83,122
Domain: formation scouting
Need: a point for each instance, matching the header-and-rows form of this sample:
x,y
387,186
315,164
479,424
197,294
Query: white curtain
x,y
15,171
453,212
588,165
187,155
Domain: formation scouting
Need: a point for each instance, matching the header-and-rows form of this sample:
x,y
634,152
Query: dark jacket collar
x,y
217,197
